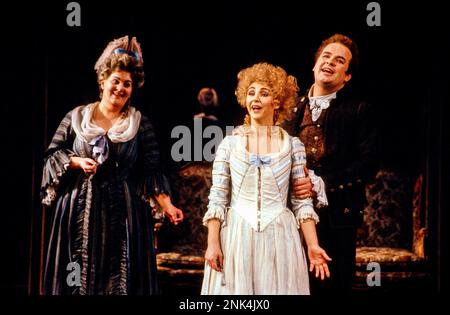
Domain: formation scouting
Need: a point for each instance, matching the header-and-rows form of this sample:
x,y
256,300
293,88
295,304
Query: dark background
x,y
47,69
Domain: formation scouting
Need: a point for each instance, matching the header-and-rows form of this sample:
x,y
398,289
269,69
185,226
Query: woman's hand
x,y
88,165
175,215
214,256
318,260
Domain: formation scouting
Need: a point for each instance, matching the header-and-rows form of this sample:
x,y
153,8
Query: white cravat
x,y
318,103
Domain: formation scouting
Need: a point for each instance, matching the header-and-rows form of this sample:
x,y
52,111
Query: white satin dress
x,y
260,238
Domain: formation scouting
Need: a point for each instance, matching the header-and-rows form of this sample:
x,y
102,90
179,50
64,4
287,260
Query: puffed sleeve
x,y
219,195
303,208
154,181
56,160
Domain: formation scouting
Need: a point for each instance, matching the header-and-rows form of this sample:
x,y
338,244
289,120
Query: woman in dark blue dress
x,y
100,172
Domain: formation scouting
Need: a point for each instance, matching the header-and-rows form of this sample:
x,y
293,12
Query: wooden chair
x,y
400,269
180,265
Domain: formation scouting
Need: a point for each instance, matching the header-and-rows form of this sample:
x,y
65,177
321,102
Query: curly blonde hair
x,y
284,88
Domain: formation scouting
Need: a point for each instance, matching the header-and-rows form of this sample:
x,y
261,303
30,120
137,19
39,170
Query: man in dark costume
x,y
340,139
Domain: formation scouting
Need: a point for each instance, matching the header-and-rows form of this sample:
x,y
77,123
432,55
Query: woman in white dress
x,y
254,246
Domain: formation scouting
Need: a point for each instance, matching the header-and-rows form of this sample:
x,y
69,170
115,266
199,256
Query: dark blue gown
x,y
102,222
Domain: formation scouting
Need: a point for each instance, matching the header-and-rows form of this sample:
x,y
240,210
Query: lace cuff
x,y
55,166
307,213
214,213
154,185
319,189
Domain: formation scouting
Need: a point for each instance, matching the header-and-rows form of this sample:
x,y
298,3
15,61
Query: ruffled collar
x,y
123,130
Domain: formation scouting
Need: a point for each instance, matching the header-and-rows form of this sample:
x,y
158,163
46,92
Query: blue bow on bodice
x,y
259,160
100,149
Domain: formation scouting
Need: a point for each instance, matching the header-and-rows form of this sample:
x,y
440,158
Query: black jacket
x,y
350,157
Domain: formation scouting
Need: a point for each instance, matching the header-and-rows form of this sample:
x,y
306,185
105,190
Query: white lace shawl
x,y
123,130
